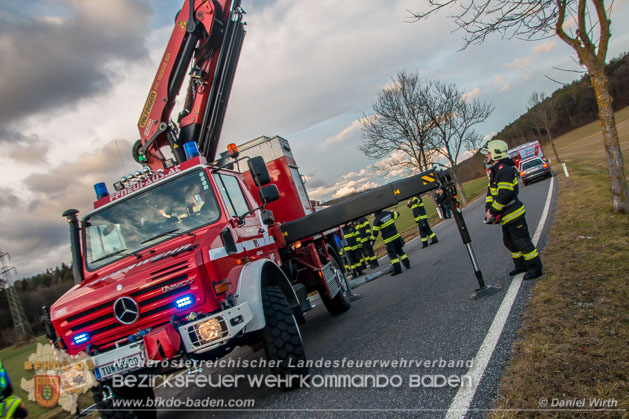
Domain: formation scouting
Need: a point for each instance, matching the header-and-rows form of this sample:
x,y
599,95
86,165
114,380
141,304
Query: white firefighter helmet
x,y
497,149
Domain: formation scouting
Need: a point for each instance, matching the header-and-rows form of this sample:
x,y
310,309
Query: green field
x,y
13,360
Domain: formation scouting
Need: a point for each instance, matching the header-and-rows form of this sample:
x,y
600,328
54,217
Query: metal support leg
x,y
450,192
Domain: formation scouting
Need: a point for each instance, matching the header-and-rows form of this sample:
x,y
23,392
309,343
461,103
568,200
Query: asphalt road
x,y
424,314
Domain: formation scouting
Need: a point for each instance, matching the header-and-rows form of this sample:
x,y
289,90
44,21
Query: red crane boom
x,y
205,44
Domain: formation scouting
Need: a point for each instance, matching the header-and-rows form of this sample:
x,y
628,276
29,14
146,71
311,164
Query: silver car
x,y
533,169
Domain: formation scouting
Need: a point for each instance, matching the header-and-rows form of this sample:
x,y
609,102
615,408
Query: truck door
x,y
249,235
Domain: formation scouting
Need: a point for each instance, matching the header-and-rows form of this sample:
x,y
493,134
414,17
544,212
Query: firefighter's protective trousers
x,y
363,231
384,222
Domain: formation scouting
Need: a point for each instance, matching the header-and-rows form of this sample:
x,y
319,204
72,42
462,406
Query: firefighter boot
x,y
534,269
407,263
520,267
434,240
396,269
424,243
374,264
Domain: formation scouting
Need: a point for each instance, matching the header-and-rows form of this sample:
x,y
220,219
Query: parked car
x,y
533,169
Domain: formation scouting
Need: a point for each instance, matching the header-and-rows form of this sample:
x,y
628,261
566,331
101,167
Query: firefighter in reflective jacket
x,y
421,218
363,231
384,222
11,406
352,251
503,206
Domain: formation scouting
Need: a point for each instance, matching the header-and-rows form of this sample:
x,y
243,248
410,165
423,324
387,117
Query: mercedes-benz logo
x,y
126,310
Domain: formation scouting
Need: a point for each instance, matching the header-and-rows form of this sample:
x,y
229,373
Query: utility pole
x,y
22,326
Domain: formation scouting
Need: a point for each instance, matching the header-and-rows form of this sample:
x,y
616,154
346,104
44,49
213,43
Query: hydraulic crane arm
x,y
206,40
362,205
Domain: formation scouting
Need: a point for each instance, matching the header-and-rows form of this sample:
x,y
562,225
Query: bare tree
x,y
417,124
536,19
543,116
399,128
453,117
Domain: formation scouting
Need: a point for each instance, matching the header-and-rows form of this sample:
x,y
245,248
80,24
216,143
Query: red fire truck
x,y
525,151
194,255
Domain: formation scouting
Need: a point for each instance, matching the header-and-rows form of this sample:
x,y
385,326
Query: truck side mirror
x,y
268,194
267,217
258,170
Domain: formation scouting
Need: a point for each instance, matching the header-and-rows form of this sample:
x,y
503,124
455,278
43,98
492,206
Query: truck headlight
x,y
209,330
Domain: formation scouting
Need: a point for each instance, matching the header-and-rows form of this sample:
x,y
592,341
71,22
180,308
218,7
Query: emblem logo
x,y
167,288
47,390
126,310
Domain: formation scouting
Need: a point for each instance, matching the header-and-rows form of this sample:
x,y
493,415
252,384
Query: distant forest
x,y
574,105
37,291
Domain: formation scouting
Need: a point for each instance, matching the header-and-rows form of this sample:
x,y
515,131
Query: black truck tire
x,y
343,299
107,410
281,336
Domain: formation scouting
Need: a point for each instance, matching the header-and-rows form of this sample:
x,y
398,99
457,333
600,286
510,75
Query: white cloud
x,y
310,65
570,23
519,63
363,179
497,79
475,92
347,132
545,47
341,188
392,166
33,231
488,137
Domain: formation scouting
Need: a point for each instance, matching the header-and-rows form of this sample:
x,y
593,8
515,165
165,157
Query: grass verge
x,y
572,347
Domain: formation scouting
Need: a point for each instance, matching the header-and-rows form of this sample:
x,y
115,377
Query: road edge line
x,y
463,398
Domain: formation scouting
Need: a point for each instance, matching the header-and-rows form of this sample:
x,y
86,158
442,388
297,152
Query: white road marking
x,y
461,402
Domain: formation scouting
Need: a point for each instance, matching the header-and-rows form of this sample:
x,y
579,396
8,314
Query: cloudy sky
x,y
75,75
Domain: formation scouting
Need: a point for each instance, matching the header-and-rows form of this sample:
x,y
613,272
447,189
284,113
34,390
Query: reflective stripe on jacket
x,y
363,230
502,192
8,406
419,212
351,236
385,222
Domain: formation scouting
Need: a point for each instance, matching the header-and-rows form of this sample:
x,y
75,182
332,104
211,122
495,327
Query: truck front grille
x,y
152,299
169,270
108,310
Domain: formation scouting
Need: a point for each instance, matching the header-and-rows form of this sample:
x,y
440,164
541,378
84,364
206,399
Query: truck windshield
x,y
142,220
